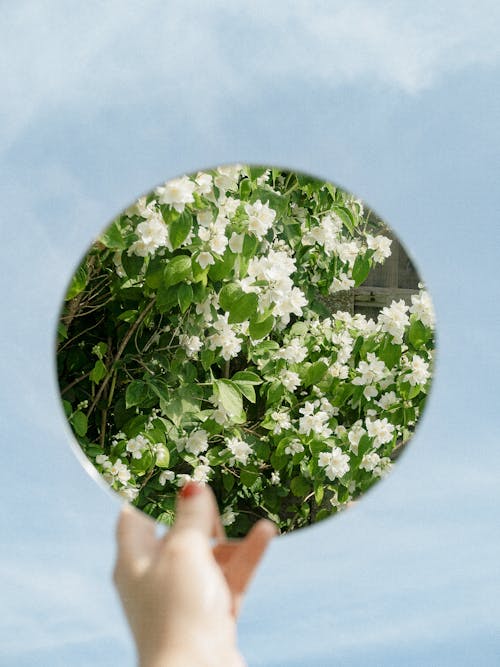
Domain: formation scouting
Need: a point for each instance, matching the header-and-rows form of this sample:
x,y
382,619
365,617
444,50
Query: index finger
x,y
197,510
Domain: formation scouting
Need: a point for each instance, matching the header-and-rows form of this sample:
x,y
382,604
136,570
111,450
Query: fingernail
x,y
190,489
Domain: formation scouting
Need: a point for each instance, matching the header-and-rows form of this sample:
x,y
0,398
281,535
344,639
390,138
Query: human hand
x,y
181,595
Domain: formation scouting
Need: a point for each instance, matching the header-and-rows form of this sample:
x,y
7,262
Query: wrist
x,y
188,658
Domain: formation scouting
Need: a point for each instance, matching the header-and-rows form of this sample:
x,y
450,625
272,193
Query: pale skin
x,y
182,592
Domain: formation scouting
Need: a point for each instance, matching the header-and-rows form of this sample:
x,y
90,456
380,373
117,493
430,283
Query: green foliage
x,y
197,340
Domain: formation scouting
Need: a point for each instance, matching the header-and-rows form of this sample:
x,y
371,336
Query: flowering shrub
x,y
198,341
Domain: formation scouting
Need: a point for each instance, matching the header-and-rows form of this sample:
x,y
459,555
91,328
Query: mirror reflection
x,y
254,328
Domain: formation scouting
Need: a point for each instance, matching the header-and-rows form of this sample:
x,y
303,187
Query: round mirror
x,y
254,328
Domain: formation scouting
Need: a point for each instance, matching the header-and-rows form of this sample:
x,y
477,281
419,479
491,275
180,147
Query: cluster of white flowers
x,y
197,442
419,371
372,372
260,218
137,445
381,430
314,421
422,308
282,421
275,270
192,344
335,463
289,379
394,319
381,245
240,450
225,338
177,192
113,472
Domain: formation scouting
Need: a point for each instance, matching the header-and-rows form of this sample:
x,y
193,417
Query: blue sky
x,y
398,103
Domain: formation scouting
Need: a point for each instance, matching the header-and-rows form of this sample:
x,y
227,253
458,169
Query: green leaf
x,y
250,244
319,492
229,395
113,237
240,305
184,296
136,393
417,333
300,486
314,373
162,457
222,268
132,264
256,172
178,269
389,353
154,272
179,229
98,372
79,421
78,283
228,482
260,329
361,269
245,188
100,349
246,376
249,475
229,295
62,332
166,298
247,390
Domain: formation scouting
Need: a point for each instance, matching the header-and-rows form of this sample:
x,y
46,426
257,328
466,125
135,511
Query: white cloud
x,y
201,56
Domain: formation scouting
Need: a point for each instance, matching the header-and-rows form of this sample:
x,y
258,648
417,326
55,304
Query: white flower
x,y
381,245
347,252
204,183
393,319
119,471
387,400
236,242
218,244
197,442
335,463
201,473
419,371
225,338
338,370
315,422
289,380
228,517
370,461
294,447
342,283
166,476
130,493
183,479
177,193
422,307
381,430
137,445
192,344
227,177
260,218
371,371
354,436
240,450
294,352
102,459
152,233
204,259
275,477
282,420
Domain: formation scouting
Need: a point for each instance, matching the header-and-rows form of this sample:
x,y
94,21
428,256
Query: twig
x,y
121,349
